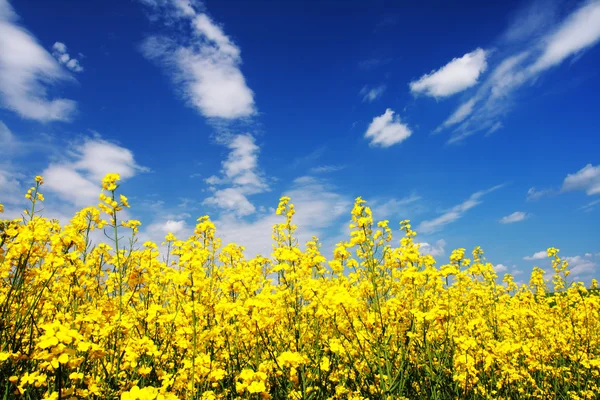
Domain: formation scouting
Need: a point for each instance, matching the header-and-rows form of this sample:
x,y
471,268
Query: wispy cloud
x,y
372,93
387,130
517,216
201,59
323,169
531,51
590,206
27,71
454,213
454,77
372,63
534,194
59,51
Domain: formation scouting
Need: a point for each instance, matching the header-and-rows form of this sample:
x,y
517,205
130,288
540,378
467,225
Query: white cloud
x,y
436,250
163,228
530,52
580,31
240,171
77,179
454,77
540,255
517,216
59,51
27,71
387,130
499,268
370,94
586,179
455,213
203,62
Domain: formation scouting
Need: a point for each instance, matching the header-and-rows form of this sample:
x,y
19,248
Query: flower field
x,y
376,321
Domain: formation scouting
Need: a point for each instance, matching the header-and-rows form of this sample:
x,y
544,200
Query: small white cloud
x,y
540,255
456,76
387,130
59,51
454,213
370,94
436,250
204,65
499,268
27,70
586,179
517,216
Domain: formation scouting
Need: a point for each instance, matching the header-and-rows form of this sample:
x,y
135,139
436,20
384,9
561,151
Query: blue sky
x,y
478,122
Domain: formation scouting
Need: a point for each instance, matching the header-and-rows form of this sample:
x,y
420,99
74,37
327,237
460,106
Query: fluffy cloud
x,y
231,199
540,255
27,71
370,94
202,61
59,51
436,250
241,173
454,77
499,268
517,216
586,179
77,179
387,130
455,213
530,52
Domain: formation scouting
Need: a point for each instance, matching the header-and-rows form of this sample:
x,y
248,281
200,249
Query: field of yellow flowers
x,y
118,320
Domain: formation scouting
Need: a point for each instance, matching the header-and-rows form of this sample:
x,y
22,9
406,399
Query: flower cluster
x,y
375,321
